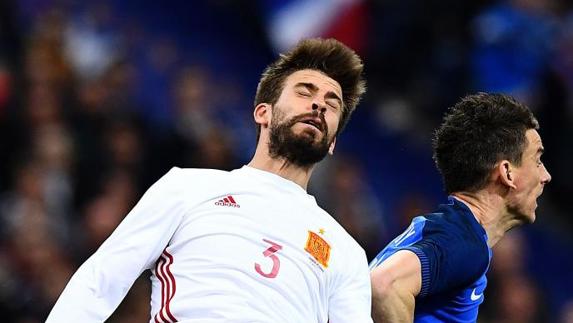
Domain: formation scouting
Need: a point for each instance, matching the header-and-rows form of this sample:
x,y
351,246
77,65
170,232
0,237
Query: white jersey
x,y
239,246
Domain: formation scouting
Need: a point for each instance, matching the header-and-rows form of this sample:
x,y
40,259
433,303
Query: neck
x,y
281,167
490,211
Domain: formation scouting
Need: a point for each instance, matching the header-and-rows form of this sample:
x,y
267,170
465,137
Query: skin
x,y
508,200
395,285
304,91
530,179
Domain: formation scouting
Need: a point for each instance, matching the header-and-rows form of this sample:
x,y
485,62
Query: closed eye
x,y
334,104
540,152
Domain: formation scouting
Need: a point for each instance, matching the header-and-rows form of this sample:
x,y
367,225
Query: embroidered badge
x,y
318,248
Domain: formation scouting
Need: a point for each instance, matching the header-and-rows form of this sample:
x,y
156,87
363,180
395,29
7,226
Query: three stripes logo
x,y
227,201
168,287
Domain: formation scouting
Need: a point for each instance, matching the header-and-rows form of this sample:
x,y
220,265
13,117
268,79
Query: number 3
x,y
276,262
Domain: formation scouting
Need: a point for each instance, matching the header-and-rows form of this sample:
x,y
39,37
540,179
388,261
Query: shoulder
x,y
349,259
412,235
343,238
452,250
449,235
189,184
185,178
185,174
453,230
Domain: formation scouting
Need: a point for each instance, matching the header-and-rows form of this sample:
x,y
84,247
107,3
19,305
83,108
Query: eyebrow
x,y
313,88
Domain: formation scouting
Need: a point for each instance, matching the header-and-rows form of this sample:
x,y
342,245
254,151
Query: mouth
x,y
314,122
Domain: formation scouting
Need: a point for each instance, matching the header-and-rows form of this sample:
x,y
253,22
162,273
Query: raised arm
x,y
395,284
102,282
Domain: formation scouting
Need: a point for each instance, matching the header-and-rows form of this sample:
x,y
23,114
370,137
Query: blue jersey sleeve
x,y
451,255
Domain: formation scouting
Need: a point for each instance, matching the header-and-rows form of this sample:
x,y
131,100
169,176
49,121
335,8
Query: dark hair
x,y
328,56
476,133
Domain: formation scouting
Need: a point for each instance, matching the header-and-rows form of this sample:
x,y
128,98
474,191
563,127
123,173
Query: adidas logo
x,y
227,201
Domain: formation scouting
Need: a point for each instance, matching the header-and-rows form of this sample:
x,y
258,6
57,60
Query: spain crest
x,y
318,248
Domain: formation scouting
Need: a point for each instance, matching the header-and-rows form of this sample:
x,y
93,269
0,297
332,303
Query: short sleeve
x,y
450,258
450,255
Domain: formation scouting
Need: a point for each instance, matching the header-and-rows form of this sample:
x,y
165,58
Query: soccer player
x,y
248,245
489,154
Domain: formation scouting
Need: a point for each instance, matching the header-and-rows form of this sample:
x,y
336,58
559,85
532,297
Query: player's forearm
x,y
95,290
79,302
391,304
395,284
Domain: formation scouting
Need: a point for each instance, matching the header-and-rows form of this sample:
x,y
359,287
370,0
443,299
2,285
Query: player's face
x,y
305,118
530,178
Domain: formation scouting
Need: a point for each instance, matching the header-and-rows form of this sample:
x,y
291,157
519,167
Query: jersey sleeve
x,y
449,257
101,283
351,300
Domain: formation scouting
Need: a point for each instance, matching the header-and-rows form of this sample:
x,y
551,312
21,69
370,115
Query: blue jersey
x,y
452,248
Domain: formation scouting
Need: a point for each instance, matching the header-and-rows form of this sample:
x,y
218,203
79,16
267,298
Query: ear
x,y
331,147
504,170
262,114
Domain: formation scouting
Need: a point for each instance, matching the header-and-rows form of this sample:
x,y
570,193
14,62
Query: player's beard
x,y
303,149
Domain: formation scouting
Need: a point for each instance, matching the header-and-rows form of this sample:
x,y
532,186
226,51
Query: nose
x,y
320,108
546,176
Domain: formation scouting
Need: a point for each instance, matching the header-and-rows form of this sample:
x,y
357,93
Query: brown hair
x,y
328,56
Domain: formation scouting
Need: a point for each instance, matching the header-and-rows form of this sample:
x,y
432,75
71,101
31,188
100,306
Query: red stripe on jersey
x,y
174,285
163,312
164,289
169,280
160,261
163,273
226,200
231,199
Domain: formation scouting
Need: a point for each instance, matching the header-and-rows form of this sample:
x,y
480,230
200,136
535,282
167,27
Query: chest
x,y
268,237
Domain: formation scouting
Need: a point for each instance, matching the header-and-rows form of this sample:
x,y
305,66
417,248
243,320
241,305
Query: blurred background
x,y
98,99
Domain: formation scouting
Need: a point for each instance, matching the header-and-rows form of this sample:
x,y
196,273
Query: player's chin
x,y
530,217
310,136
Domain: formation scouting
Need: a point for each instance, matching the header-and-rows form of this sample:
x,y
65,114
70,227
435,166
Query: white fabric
x,y
215,249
